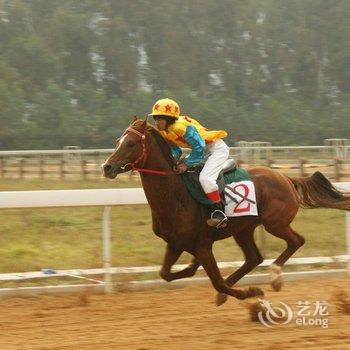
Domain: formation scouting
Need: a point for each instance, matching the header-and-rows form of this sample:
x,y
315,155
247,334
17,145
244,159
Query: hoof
x,y
277,283
254,292
241,294
276,280
221,298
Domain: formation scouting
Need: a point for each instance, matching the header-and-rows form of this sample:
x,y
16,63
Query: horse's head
x,y
129,150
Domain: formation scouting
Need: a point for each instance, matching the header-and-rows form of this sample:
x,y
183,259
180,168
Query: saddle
x,y
229,166
229,173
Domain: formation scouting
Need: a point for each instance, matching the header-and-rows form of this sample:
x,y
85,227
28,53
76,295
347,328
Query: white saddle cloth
x,y
240,199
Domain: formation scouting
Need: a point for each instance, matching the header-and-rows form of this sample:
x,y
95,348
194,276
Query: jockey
x,y
207,145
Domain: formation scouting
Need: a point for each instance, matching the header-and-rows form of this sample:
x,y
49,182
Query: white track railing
x,y
85,163
111,197
255,152
109,150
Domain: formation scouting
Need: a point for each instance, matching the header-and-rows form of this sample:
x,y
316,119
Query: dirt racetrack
x,y
183,318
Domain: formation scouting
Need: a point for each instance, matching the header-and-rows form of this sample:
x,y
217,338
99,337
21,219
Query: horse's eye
x,y
131,144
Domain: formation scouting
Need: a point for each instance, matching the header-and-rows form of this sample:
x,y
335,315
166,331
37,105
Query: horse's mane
x,y
163,145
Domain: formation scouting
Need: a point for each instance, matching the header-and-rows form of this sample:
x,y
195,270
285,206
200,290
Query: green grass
x,y
47,184
32,239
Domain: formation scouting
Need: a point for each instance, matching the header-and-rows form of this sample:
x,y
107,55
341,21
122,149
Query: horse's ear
x,y
144,124
134,118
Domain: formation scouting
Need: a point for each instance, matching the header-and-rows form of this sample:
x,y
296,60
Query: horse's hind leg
x,y
171,256
253,258
206,257
294,242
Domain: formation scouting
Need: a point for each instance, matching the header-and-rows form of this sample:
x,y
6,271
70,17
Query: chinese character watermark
x,y
306,314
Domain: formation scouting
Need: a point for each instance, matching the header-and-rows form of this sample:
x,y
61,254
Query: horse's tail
x,y
316,191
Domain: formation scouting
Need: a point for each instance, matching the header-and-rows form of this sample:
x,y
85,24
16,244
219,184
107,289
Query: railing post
x,y
337,169
97,172
2,167
107,250
22,170
41,167
62,169
302,167
347,230
84,171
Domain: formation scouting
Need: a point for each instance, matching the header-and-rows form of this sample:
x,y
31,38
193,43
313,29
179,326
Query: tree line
x,y
74,72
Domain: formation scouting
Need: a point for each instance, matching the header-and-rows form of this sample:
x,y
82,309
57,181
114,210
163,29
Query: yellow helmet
x,y
167,107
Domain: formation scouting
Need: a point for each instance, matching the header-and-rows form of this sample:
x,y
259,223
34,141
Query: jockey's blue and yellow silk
x,y
189,133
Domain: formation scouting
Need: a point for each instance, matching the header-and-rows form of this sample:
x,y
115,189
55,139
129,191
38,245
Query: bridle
x,y
143,157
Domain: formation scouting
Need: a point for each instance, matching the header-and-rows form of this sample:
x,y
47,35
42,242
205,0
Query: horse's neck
x,y
162,191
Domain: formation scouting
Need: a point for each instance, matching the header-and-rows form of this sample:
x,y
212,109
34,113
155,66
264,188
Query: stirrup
x,y
214,222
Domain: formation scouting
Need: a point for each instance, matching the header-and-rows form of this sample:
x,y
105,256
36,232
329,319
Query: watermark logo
x,y
273,315
306,313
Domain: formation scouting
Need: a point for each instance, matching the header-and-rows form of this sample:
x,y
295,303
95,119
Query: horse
x,y
180,220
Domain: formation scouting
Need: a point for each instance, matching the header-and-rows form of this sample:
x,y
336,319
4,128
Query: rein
x,y
143,157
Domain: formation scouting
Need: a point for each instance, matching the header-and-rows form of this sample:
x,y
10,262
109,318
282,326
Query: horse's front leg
x,y
206,257
171,256
253,258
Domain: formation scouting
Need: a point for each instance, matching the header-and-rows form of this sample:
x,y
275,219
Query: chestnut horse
x,y
181,221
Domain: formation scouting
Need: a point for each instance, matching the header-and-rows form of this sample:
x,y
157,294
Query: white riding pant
x,y
217,153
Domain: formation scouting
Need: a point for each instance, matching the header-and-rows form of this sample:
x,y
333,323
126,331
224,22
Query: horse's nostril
x,y
107,167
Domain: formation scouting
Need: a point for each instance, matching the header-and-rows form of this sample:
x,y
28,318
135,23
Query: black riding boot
x,y
218,217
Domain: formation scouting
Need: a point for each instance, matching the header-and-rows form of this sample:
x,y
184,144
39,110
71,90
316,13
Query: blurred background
x,y
74,72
